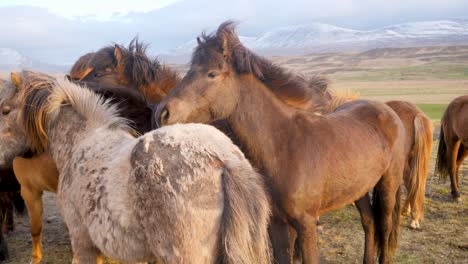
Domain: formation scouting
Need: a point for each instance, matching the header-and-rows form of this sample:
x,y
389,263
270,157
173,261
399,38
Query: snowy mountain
x,y
318,37
12,60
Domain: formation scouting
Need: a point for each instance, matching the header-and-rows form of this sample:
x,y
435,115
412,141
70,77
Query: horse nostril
x,y
164,117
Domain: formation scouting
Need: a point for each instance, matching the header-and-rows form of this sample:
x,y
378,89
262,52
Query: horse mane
x,y
291,88
339,97
42,98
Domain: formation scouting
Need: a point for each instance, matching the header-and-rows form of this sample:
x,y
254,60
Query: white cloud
x,y
95,9
49,31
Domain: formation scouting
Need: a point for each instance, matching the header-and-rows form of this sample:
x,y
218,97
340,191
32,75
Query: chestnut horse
x,y
39,174
313,163
419,131
453,143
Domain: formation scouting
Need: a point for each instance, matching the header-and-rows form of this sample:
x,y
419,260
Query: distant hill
x,y
322,38
12,60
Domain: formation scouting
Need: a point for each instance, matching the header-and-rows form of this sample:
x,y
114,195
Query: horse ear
x,y
228,39
118,54
16,80
225,47
199,42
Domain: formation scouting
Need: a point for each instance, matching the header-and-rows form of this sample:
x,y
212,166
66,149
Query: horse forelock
x,y
80,68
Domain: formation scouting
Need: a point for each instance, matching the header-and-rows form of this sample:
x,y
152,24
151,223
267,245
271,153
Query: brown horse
x,y
39,173
419,132
453,144
313,163
120,66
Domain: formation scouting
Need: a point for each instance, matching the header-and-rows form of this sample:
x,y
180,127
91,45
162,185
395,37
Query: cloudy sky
x,y
57,31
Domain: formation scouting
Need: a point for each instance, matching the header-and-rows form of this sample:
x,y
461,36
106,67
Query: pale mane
x,y
97,111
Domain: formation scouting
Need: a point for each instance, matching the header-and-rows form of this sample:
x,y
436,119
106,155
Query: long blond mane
x,y
42,97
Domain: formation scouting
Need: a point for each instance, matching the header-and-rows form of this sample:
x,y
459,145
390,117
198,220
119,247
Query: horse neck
x,y
259,118
157,90
64,131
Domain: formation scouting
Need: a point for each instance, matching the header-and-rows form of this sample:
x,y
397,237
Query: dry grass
x,y
443,238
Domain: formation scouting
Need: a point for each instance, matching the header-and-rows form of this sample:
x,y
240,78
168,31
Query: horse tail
x,y
381,226
420,163
246,214
442,167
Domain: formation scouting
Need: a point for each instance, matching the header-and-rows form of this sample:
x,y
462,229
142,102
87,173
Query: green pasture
x,y
434,111
430,71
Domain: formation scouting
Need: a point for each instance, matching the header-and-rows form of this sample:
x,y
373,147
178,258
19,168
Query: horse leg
x,y
368,224
33,200
387,202
292,244
84,250
453,170
461,155
9,215
306,228
407,182
278,230
4,255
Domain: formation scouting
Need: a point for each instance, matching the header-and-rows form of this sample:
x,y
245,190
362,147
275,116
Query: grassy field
x,y
430,77
433,111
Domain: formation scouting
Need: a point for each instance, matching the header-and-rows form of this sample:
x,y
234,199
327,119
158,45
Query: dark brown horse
x,y
120,66
313,163
453,144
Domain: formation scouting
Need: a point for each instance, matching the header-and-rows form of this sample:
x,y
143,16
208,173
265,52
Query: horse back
x,y
376,115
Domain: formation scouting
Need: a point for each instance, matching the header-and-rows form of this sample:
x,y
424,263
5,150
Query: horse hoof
x,y
415,224
35,260
457,199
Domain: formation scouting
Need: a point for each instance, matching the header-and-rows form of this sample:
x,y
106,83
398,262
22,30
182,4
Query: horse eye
x,y
98,75
6,110
211,75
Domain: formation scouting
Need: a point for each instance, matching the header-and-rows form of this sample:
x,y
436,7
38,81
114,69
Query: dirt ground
x,y
443,238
